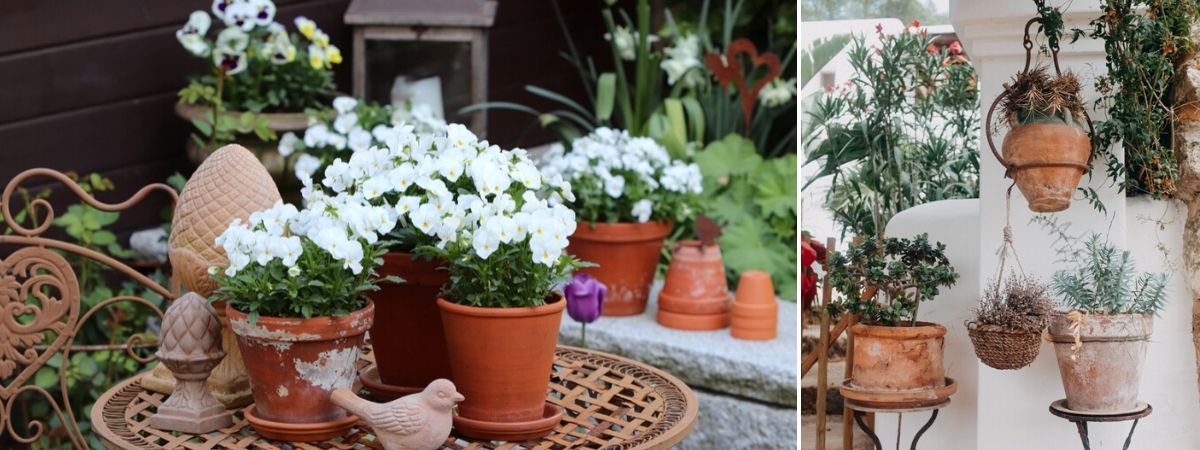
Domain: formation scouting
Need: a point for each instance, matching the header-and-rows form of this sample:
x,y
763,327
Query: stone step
x,y
833,434
809,388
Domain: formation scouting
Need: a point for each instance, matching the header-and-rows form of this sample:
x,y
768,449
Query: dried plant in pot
x,y
897,359
1007,329
1047,150
1101,340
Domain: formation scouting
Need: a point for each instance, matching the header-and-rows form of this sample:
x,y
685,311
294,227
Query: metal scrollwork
x,y
40,303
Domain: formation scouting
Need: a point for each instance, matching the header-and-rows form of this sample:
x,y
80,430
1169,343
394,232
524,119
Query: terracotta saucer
x,y
1061,405
693,322
899,399
510,431
381,392
300,432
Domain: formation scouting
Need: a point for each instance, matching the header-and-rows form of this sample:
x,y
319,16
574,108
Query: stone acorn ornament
x,y
230,184
420,421
191,348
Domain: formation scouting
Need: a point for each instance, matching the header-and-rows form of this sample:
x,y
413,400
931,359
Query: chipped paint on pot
x,y
1102,374
294,364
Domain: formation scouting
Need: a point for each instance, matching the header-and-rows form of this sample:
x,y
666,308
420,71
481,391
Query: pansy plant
x,y
620,178
497,220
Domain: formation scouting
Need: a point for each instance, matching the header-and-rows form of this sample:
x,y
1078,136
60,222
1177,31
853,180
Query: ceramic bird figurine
x,y
419,421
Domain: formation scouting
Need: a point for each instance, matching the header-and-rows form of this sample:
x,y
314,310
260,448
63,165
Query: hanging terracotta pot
x,y
500,360
694,295
294,364
627,254
408,343
898,366
1047,160
1101,370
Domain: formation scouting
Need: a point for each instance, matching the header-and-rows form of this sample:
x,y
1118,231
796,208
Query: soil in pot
x,y
409,347
500,360
1102,374
1047,188
627,254
295,363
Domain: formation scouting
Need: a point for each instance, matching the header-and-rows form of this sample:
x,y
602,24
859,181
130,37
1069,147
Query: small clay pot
x,y
627,254
898,358
409,349
500,360
1102,375
1047,188
695,282
295,363
755,313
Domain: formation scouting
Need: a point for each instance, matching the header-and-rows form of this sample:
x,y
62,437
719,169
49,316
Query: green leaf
x,y
605,94
46,378
775,186
202,126
85,365
695,115
103,237
733,155
748,245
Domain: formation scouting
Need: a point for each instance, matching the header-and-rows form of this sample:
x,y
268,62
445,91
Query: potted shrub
x,y
1047,150
1101,341
629,193
294,286
1007,329
259,82
897,359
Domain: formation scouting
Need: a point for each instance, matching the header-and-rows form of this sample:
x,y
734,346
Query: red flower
x,y
808,289
932,49
829,88
916,23
922,32
879,28
955,48
808,254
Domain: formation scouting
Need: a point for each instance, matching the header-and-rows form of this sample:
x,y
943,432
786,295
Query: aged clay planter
x,y
755,310
281,168
898,364
501,360
1047,188
294,364
1103,377
694,295
409,349
627,254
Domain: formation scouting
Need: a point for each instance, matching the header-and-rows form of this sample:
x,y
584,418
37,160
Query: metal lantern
x,y
425,54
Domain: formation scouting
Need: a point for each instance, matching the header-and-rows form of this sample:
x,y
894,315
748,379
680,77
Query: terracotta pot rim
x,y
279,121
551,308
921,331
296,329
623,231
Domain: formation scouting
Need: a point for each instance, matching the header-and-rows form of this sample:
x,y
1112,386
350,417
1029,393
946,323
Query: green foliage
x,y
1101,278
1142,40
885,281
508,278
755,200
817,55
221,127
904,131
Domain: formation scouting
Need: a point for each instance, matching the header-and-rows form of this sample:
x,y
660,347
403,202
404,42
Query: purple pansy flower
x,y
585,298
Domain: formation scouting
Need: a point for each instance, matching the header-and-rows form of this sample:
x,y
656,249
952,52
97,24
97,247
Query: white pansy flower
x,y
287,143
345,122
345,104
485,242
220,6
232,62
264,12
306,165
359,139
316,135
194,44
241,15
233,39
642,210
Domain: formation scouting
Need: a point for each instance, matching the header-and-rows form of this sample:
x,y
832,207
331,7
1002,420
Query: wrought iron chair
x,y
40,305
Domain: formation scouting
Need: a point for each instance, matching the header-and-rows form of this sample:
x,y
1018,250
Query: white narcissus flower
x,y
306,165
287,143
777,92
626,42
344,104
682,61
642,210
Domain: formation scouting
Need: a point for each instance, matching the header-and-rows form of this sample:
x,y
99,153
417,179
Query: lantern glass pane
x,y
421,72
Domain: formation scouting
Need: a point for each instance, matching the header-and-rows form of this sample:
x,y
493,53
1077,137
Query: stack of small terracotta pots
x,y
755,312
694,295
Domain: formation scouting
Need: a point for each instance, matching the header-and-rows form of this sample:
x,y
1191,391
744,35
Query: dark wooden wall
x,y
88,85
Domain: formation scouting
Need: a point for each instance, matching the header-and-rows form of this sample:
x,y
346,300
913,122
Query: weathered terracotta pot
x,y
627,254
1047,188
407,335
295,363
898,358
501,359
755,311
281,168
1102,375
694,295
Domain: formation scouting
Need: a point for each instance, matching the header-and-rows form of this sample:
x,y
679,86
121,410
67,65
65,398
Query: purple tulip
x,y
585,298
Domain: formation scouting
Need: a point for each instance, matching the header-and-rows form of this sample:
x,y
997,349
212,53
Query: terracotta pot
x,y
1102,375
407,335
695,282
1048,188
627,254
281,168
755,311
295,363
501,359
898,358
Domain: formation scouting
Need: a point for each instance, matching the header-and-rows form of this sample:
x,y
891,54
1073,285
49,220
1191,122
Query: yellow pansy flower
x,y
306,26
333,54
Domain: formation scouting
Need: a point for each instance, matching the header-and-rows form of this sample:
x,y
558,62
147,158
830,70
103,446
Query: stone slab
x,y
732,423
764,371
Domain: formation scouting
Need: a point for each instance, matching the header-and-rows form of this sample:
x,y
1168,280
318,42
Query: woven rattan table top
x,y
609,402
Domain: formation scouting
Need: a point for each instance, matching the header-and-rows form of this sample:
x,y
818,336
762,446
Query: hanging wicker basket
x,y
1004,348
